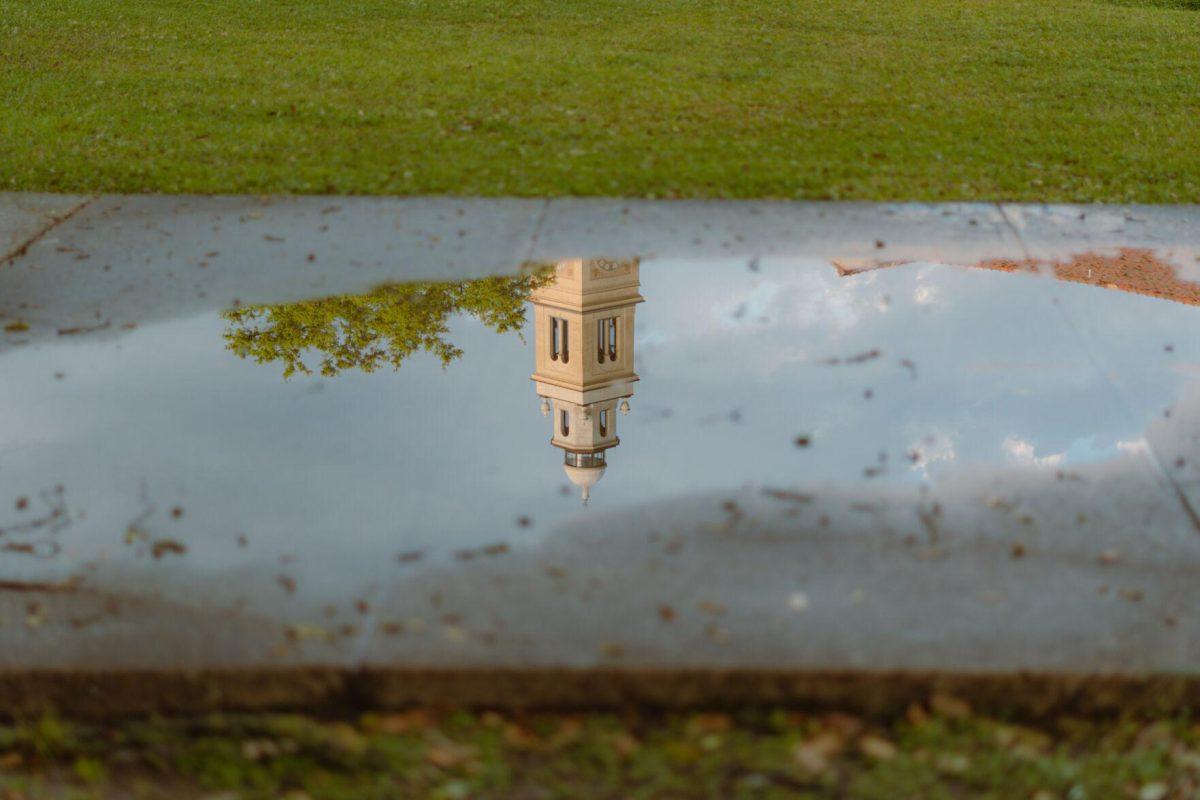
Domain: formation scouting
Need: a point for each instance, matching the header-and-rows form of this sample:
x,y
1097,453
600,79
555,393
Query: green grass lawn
x,y
943,753
1080,100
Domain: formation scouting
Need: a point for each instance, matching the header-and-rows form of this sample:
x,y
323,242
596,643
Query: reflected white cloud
x,y
1023,452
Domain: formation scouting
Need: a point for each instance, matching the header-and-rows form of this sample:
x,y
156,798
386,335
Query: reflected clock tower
x,y
583,323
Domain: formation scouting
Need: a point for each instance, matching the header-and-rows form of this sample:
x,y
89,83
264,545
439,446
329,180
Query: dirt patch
x,y
878,694
1132,270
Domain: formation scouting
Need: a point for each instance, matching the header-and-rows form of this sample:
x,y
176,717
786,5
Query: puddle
x,y
333,464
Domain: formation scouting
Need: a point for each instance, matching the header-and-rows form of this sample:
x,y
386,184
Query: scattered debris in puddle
x,y
506,444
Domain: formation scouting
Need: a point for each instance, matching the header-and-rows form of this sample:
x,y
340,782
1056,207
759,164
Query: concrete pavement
x,y
1003,495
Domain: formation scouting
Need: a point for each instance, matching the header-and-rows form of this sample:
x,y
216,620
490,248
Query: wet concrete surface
x,y
26,217
854,445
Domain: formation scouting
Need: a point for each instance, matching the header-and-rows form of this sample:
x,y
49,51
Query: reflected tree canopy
x,y
382,327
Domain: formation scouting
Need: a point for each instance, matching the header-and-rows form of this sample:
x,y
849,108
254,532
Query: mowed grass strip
x,y
1058,100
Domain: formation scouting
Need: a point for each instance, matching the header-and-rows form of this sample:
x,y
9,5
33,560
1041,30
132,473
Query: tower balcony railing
x,y
584,459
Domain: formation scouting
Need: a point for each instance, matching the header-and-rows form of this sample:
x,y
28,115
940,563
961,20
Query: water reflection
x,y
880,440
379,328
584,329
584,341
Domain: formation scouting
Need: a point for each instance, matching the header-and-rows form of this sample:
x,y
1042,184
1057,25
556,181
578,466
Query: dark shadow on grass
x,y
1177,5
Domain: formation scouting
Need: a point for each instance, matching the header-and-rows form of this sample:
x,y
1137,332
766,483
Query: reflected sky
x,y
895,378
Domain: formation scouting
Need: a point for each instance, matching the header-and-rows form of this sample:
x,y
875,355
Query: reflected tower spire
x,y
583,323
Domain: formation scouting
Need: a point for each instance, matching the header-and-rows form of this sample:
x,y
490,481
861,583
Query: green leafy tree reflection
x,y
382,327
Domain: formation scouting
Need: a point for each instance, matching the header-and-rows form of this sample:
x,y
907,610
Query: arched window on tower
x,y
606,339
604,422
560,340
564,422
